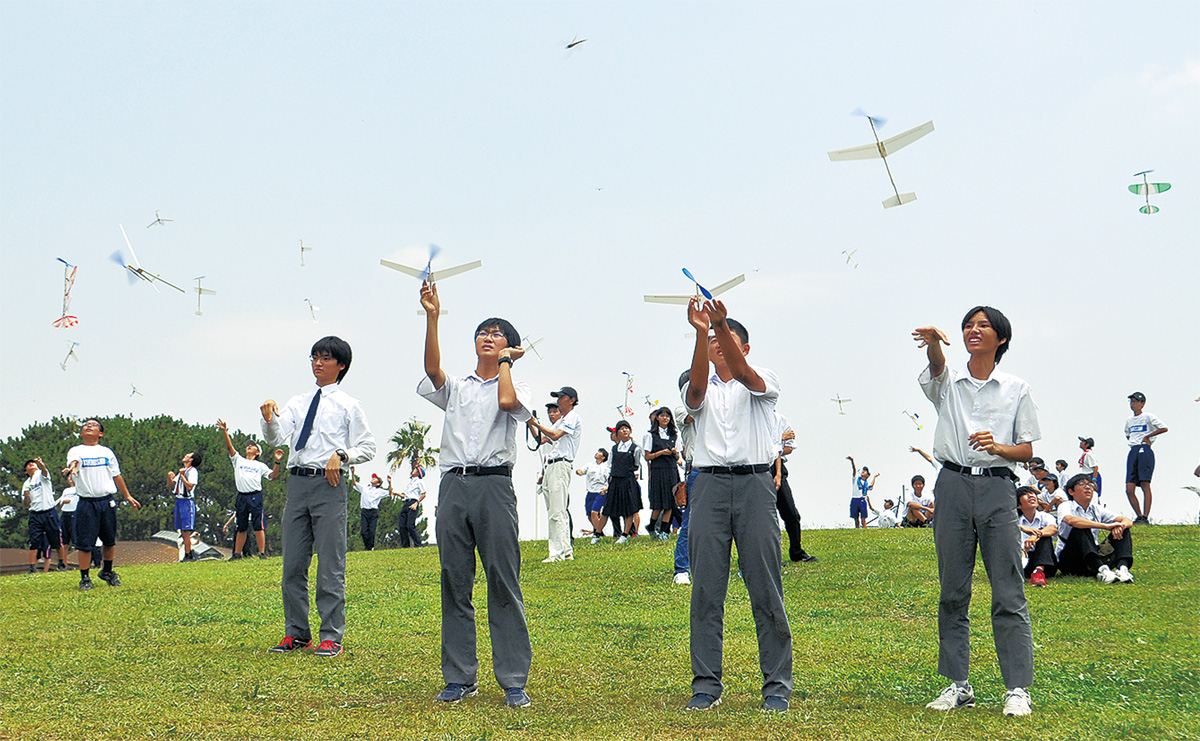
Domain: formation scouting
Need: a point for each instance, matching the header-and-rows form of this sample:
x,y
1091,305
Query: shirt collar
x,y
966,376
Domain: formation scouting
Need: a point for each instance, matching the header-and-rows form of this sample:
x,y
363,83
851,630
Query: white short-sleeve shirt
x,y
1095,512
965,405
40,491
734,425
476,432
369,496
69,499
415,488
181,491
1041,520
1140,425
567,446
595,476
248,474
97,468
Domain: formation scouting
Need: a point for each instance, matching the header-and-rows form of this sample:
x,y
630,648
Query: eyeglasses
x,y
484,334
323,357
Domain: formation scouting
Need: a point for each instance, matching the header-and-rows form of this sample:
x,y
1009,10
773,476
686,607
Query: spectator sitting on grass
x,y
1080,551
1037,537
920,507
1052,496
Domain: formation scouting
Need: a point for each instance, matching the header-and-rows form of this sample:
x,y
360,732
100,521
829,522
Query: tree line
x,y
148,448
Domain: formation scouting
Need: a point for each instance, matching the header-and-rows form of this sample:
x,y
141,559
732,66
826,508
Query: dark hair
x,y
604,453
621,424
999,323
740,330
1076,480
31,460
1022,491
1037,461
1050,479
1060,460
197,457
866,470
94,419
654,421
917,478
338,349
511,337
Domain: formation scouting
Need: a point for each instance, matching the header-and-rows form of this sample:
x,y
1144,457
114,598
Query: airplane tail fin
x,y
900,200
1148,209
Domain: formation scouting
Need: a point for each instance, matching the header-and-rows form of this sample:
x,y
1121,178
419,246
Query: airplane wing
x,y
136,264
436,275
146,274
664,299
728,284
899,141
402,268
204,291
865,152
1138,189
1160,187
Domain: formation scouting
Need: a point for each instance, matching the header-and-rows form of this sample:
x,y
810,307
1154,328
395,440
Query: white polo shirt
x,y
1095,512
248,474
97,468
369,497
415,488
568,445
595,476
1140,425
476,432
40,491
734,425
965,405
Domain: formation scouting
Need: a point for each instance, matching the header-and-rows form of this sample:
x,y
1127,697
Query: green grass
x,y
179,652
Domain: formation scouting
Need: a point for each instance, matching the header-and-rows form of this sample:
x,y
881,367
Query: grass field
x,y
179,652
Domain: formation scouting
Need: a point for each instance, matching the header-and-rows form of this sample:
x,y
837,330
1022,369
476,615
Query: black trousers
x,y
1042,555
1081,556
368,519
409,537
791,518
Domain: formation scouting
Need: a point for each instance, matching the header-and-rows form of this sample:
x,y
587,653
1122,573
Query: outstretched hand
x,y
698,315
429,299
717,313
222,426
926,336
269,410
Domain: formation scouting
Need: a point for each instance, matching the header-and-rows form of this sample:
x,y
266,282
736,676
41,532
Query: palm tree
x,y
408,444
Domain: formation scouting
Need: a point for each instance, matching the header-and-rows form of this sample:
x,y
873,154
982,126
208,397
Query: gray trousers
x,y
725,509
480,512
314,519
980,510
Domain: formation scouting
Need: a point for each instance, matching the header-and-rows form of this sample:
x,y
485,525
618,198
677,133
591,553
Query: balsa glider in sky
x,y
881,149
136,270
1145,188
700,291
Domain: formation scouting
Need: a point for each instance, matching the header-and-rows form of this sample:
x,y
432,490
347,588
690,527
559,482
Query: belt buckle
x,y
977,470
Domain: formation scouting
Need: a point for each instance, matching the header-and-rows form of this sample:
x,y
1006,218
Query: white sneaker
x,y
595,539
549,559
1123,575
682,578
1106,575
1017,702
622,539
953,698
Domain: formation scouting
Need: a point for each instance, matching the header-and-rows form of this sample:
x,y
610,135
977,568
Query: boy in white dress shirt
x,y
1079,550
734,501
477,507
325,430
987,422
414,494
369,500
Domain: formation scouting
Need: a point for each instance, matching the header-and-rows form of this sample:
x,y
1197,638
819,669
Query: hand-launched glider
x,y
66,320
158,220
528,344
312,310
882,149
652,404
700,291
1145,188
428,274
70,354
134,391
850,258
837,399
914,417
136,270
201,291
303,249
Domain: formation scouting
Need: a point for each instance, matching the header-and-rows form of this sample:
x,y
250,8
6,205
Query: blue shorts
x,y
185,514
44,528
96,518
1139,466
858,507
594,501
249,510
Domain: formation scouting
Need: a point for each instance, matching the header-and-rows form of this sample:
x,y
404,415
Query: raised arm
x,y
731,349
224,428
433,353
923,454
853,468
932,338
698,375
506,392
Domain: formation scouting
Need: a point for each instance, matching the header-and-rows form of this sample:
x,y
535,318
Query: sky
x,y
677,135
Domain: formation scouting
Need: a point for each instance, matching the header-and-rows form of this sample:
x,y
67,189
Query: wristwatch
x,y
342,454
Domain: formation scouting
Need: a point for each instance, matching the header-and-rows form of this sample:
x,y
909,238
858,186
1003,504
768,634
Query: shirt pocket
x,y
994,413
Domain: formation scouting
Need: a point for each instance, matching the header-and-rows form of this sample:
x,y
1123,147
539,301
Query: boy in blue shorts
x,y
44,527
248,474
860,503
184,484
97,476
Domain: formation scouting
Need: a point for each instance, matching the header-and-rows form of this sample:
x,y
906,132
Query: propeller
x,y
704,291
878,121
119,259
433,252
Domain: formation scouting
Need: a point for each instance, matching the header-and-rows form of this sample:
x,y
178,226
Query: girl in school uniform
x,y
662,456
624,495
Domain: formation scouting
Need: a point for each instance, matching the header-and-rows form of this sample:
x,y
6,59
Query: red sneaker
x,y
328,649
290,644
1038,579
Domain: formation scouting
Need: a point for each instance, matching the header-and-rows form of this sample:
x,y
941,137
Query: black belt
x,y
735,470
306,472
558,460
1002,472
481,471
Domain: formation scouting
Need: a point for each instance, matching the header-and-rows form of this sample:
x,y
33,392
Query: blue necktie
x,y
306,429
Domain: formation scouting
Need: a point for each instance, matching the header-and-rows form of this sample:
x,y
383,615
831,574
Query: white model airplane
x,y
70,354
312,310
158,220
700,291
200,291
134,391
303,249
1145,188
529,344
850,258
840,401
882,149
914,417
428,274
136,270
